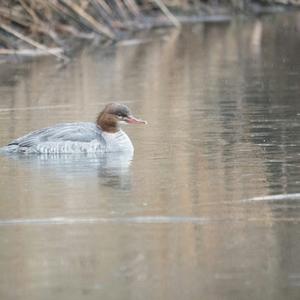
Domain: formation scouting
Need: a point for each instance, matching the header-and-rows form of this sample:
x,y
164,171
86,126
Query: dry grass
x,y
39,27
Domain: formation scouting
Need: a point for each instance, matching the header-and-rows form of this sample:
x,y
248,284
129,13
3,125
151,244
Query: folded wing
x,y
73,132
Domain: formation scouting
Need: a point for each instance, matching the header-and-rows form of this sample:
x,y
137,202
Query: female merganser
x,y
84,137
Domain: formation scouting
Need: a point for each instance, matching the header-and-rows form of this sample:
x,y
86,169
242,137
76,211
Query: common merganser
x,y
83,137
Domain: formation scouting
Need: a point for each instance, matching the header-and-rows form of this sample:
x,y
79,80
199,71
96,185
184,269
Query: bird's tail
x,y
9,149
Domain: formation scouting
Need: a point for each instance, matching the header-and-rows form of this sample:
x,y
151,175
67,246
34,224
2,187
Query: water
x,y
209,207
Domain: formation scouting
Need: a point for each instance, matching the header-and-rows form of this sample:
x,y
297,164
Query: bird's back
x,y
61,138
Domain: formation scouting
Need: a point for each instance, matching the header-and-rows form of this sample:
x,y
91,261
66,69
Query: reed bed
x,y
50,27
39,27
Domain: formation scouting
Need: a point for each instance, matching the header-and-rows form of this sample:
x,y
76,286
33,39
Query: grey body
x,y
82,137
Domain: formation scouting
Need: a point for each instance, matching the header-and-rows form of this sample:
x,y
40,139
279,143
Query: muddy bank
x,y
32,28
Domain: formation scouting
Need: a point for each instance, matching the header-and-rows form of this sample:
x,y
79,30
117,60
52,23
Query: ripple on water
x,y
123,220
281,197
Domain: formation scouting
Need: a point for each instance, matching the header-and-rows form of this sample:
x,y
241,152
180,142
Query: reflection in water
x,y
222,101
113,169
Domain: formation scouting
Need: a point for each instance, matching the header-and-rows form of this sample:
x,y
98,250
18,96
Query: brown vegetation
x,y
40,27
37,27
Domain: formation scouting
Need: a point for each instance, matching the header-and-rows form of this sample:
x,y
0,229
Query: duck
x,y
102,136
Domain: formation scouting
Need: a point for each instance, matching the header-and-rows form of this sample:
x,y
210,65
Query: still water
x,y
193,215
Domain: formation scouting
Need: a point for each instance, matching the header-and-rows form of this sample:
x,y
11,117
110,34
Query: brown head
x,y
115,114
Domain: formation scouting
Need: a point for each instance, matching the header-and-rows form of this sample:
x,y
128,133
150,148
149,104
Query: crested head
x,y
115,114
117,109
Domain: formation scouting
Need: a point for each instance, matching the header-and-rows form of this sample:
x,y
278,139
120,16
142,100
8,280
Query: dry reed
x,y
43,27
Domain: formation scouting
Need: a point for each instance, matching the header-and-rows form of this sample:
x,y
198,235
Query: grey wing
x,y
79,132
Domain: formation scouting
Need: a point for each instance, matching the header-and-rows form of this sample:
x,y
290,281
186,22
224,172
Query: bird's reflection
x,y
113,169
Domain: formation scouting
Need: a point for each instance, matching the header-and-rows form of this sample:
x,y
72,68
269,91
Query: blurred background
x,y
208,207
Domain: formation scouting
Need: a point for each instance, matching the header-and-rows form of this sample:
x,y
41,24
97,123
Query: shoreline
x,y
20,41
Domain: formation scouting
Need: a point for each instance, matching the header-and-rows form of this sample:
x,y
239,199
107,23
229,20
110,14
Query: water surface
x,y
193,215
